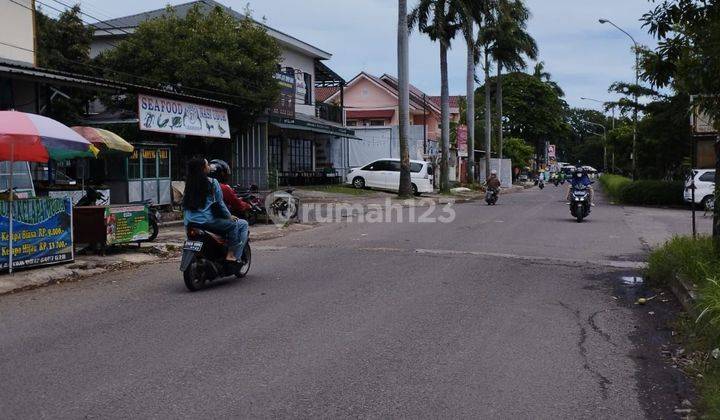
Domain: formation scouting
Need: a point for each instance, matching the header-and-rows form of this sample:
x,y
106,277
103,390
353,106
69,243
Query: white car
x,y
704,186
384,174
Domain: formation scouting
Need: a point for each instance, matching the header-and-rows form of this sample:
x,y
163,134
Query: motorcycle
x,y
491,196
579,202
203,259
251,197
541,183
92,196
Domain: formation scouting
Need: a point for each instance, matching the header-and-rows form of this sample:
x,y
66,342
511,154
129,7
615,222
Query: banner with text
x,y
126,224
462,141
177,117
42,232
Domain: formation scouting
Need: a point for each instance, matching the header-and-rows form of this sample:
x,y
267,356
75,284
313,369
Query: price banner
x,y
42,232
126,224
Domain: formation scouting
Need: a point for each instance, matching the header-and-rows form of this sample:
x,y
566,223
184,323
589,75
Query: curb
x,y
685,292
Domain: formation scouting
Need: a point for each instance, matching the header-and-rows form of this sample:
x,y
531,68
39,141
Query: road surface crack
x,y
593,324
603,381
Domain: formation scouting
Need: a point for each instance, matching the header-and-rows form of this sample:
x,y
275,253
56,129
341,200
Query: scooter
x,y
491,196
579,202
204,259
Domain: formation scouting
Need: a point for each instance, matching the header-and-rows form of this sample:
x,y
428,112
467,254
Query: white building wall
x,y
17,28
383,142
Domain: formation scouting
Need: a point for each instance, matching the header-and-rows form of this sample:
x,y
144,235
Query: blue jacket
x,y
583,180
205,215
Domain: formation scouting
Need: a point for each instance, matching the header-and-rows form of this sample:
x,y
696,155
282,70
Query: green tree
x,y
439,20
518,152
541,74
687,58
64,44
211,51
533,109
512,44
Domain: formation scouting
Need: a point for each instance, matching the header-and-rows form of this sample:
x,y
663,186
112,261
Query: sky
x,y
582,55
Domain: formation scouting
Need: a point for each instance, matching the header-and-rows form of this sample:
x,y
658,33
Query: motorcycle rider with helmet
x,y
220,170
580,178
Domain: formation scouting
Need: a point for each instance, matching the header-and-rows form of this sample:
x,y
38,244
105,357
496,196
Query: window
x,y
163,163
351,123
379,165
308,88
276,153
708,176
21,176
375,123
416,167
301,155
393,165
149,163
134,165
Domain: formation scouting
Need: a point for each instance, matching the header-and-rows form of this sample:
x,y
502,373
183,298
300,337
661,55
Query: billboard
x,y
285,105
42,232
178,117
126,224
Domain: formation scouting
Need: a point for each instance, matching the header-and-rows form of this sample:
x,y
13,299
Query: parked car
x,y
704,180
384,174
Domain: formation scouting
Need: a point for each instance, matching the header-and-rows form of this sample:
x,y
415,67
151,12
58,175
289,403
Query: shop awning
x,y
306,123
372,113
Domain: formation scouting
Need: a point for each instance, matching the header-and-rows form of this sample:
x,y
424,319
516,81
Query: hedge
x,y
612,184
643,192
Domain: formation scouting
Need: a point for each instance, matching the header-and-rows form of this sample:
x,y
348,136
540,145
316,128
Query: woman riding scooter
x,y
204,208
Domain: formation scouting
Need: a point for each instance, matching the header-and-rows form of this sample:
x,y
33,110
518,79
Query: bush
x,y
644,192
612,184
651,192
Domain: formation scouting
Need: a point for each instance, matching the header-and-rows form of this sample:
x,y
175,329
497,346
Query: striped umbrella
x,y
105,140
34,138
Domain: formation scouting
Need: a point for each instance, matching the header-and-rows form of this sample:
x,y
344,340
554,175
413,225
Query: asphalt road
x,y
512,311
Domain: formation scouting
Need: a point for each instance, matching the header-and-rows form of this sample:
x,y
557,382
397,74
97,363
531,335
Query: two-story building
x,y
300,140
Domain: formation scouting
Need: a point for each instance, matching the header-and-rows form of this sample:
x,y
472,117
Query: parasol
x,y
34,138
105,140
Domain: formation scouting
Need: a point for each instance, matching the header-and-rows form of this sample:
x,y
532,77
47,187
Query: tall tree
x,y
541,74
439,20
212,51
512,43
64,44
472,12
688,58
404,101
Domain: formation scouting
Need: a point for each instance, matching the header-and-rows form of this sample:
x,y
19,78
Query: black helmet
x,y
220,170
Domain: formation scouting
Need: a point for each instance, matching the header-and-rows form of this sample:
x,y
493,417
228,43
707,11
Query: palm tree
x,y
404,99
439,20
540,73
472,12
512,43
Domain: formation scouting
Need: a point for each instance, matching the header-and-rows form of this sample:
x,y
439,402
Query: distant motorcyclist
x,y
579,179
493,183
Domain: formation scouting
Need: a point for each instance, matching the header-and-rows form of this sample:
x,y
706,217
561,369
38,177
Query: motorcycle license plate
x,y
192,246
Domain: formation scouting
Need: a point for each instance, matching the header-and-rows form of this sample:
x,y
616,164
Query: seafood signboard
x,y
178,117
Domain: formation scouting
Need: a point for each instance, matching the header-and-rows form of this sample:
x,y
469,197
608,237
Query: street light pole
x,y
602,102
635,95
